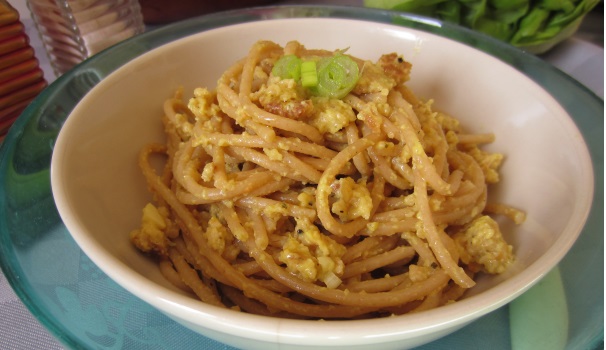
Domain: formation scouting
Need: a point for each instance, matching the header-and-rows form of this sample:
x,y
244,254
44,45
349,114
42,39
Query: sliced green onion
x,y
337,76
332,77
287,67
309,75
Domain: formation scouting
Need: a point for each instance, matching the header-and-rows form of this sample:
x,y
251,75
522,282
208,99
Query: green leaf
x,y
511,16
566,6
414,5
531,24
474,10
563,18
508,5
519,22
449,11
497,29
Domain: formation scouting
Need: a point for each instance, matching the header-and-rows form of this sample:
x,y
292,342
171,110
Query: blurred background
x,y
72,32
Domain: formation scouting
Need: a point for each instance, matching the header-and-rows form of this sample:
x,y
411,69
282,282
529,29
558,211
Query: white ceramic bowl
x,y
99,190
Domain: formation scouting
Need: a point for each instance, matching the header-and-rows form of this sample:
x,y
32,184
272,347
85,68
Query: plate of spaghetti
x,y
284,189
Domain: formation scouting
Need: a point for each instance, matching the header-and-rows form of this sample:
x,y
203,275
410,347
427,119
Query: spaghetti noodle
x,y
277,201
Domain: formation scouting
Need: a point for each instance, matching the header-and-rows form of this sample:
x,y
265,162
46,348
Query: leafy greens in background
x,y
535,25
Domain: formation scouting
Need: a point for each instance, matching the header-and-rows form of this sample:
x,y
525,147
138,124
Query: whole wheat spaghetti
x,y
280,199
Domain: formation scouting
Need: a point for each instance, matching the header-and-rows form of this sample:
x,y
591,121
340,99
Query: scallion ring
x,y
287,67
337,76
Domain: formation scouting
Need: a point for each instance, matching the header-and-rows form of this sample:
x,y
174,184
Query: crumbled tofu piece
x,y
217,235
331,115
313,256
150,237
353,199
183,125
373,80
283,97
203,105
299,259
395,67
208,172
489,162
272,214
273,154
307,197
448,122
481,242
220,239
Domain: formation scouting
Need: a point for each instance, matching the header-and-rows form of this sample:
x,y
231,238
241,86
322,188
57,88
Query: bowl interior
x,y
99,190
